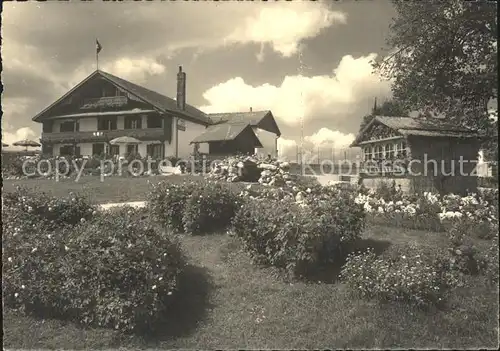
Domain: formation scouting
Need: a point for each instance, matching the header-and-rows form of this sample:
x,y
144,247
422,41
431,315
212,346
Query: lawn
x,y
111,190
226,302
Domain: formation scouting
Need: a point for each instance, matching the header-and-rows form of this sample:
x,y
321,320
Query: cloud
x,y
324,144
330,138
299,99
284,27
137,69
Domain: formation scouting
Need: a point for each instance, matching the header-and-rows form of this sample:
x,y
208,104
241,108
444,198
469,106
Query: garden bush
x,y
26,207
167,203
298,237
116,270
407,274
210,208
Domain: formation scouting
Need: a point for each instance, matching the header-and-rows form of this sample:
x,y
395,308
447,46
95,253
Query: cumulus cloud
x,y
284,27
136,70
324,144
299,98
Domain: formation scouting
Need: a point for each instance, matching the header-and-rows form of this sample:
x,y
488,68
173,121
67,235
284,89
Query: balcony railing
x,y
111,101
103,136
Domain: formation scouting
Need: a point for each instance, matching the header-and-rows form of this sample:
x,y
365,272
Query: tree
x,y
444,59
392,108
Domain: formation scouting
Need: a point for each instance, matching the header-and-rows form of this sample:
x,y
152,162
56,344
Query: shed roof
x,y
224,132
253,117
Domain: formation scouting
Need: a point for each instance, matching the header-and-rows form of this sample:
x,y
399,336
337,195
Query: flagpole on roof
x,y
98,48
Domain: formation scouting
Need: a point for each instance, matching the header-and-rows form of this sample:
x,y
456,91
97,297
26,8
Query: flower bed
x,y
428,211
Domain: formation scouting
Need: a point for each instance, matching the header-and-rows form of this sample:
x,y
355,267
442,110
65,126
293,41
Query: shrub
x,y
210,207
385,191
167,203
410,275
490,262
117,270
298,237
38,206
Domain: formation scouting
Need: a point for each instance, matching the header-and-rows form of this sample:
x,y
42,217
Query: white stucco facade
x,y
192,130
269,142
179,146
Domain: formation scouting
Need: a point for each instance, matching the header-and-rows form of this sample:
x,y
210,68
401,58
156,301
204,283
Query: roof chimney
x,y
250,109
181,89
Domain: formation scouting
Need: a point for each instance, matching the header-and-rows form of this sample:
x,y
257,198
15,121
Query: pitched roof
x,y
432,127
435,124
159,101
224,132
253,117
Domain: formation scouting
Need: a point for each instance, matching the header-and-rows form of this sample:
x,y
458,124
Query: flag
x,y
98,46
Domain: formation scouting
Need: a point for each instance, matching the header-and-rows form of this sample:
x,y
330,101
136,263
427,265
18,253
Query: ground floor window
x,y
155,150
66,150
367,151
378,152
114,150
132,149
389,151
401,149
98,149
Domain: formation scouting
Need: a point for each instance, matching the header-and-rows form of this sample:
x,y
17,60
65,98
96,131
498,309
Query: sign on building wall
x,y
181,124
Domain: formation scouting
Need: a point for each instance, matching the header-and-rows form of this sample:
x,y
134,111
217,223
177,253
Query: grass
x,y
226,302
111,190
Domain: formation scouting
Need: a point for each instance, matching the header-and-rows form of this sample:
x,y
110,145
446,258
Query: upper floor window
x,y
106,123
108,91
154,122
133,122
69,126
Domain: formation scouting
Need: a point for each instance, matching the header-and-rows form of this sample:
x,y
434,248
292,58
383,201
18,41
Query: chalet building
x,y
103,107
428,152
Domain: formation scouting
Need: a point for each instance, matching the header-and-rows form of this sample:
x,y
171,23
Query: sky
x,y
307,62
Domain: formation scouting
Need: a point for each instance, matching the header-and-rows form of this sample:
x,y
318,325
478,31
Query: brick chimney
x,y
181,89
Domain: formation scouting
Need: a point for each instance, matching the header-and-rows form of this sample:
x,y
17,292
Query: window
x,y
133,122
367,153
69,126
154,122
155,150
378,152
47,127
108,91
114,150
98,149
132,149
389,151
401,149
106,123
66,150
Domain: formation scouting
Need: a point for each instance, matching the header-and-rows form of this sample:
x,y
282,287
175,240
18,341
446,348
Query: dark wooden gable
x,y
94,95
377,131
269,124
